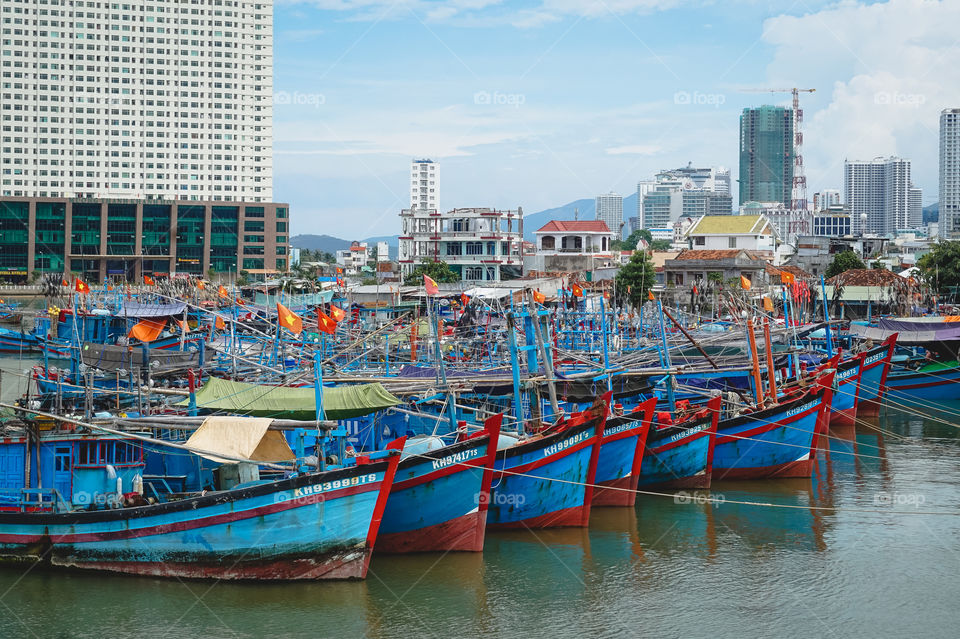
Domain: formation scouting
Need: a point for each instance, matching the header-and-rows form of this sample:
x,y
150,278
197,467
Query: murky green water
x,y
664,569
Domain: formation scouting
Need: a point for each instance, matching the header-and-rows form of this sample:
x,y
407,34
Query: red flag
x,y
650,296
337,313
222,292
787,278
64,283
201,285
464,299
81,287
431,286
606,295
219,323
576,290
340,282
339,271
148,280
744,283
325,323
694,289
289,320
539,297
240,302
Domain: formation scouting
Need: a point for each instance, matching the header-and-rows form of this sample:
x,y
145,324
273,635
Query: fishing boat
x,y
439,498
936,381
309,525
681,455
780,441
873,376
621,455
546,481
843,407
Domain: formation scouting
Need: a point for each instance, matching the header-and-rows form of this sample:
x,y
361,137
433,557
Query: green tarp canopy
x,y
284,402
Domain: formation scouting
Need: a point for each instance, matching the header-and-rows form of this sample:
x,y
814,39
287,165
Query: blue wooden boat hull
x,y
621,455
940,385
16,342
438,502
873,378
843,405
548,482
312,526
681,456
777,442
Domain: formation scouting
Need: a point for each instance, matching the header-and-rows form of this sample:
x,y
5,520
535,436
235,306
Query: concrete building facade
x,y
766,155
949,224
609,209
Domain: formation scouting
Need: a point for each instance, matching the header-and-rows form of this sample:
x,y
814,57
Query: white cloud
x,y
898,70
634,149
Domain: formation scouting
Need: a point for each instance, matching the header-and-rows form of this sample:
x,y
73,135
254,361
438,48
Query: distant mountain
x,y
585,210
931,213
319,243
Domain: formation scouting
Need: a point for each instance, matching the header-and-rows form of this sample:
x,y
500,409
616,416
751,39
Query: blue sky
x,y
541,102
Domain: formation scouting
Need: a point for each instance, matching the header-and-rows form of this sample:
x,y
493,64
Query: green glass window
x,y
281,213
190,240
253,211
253,238
224,231
121,229
50,236
281,227
253,263
253,226
156,233
85,232
14,237
281,265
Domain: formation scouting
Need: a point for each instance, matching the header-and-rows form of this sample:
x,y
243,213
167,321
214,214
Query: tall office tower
x,y
643,187
766,155
915,207
163,100
877,195
424,185
826,198
949,226
609,208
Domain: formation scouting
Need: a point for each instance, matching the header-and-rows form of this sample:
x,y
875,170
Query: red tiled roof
x,y
715,254
570,226
796,271
867,277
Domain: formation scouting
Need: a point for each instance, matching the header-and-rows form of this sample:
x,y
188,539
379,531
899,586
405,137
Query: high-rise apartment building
x,y
687,192
766,155
914,207
877,195
165,100
609,208
424,185
825,199
949,225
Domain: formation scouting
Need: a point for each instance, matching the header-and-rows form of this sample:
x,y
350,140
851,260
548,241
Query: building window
x,y
731,242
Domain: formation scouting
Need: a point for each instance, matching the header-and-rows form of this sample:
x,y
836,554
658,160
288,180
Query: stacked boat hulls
x,y
305,475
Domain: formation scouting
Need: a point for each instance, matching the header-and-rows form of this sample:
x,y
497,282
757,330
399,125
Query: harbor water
x,y
870,546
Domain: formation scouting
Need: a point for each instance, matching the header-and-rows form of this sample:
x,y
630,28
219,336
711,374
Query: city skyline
x,y
517,117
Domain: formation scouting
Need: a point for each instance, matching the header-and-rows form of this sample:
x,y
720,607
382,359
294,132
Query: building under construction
x,y
767,155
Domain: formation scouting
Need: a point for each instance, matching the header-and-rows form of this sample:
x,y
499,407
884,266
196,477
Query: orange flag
x,y
325,323
606,295
109,288
337,313
147,330
744,283
431,286
339,271
64,283
786,278
464,299
576,290
148,280
289,320
222,292
219,323
81,287
240,302
201,285
767,304
539,297
650,296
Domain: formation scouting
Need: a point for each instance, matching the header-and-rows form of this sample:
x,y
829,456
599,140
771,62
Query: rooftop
x,y
867,277
571,226
730,224
716,254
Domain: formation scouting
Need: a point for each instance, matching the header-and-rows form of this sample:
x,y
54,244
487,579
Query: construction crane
x,y
798,205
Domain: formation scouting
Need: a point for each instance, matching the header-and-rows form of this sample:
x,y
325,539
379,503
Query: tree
x,y
660,245
633,240
635,279
844,262
439,272
940,268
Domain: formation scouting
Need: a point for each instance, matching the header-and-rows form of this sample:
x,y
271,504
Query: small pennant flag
x,y
431,286
337,313
325,323
81,286
64,283
539,297
148,280
464,299
222,292
694,290
240,302
576,290
744,283
289,320
219,323
201,285
650,296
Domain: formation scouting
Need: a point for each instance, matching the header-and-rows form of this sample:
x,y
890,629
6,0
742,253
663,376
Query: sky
x,y
536,103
